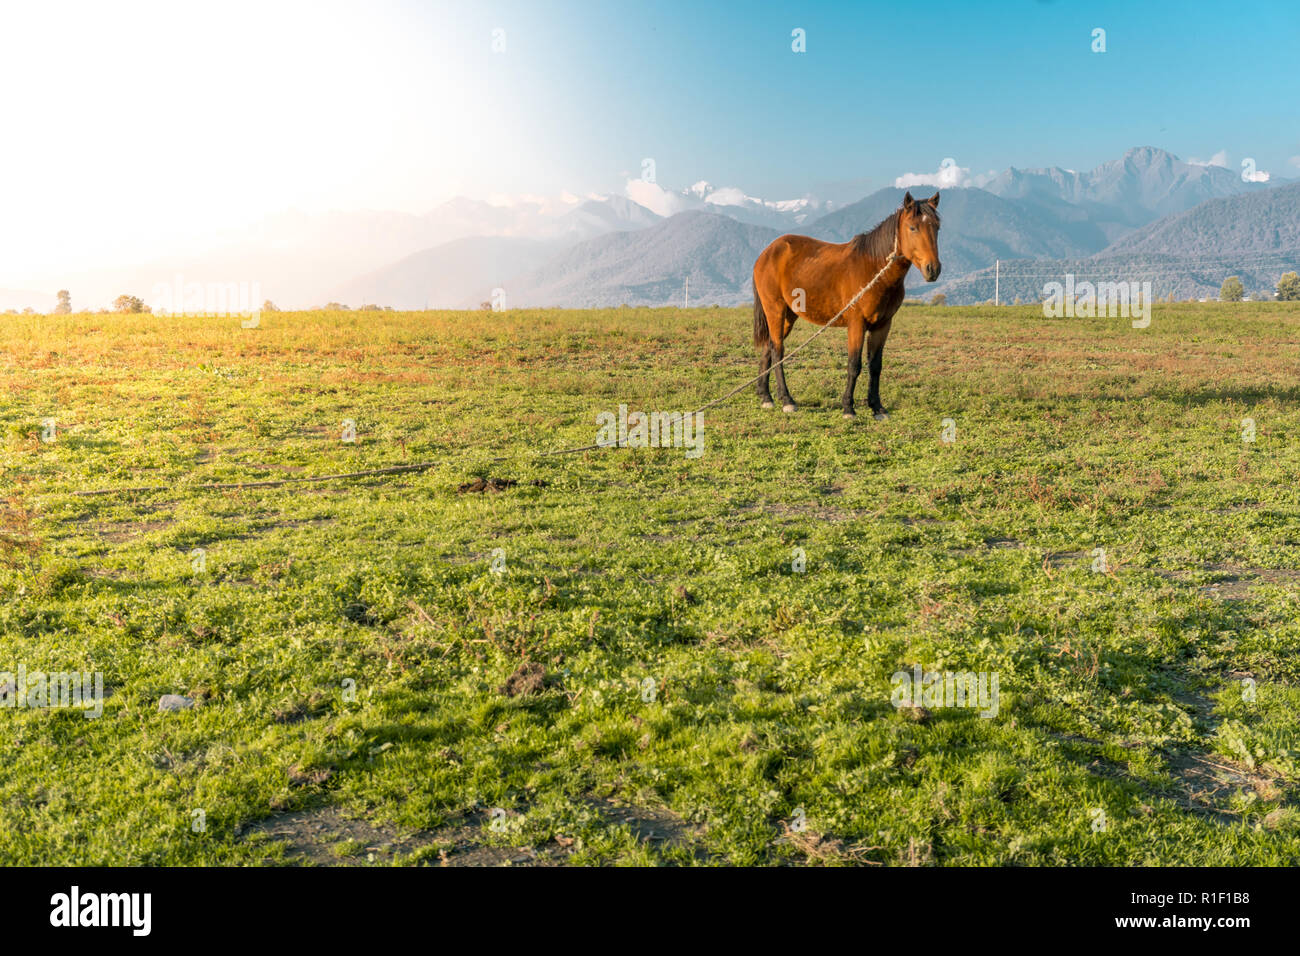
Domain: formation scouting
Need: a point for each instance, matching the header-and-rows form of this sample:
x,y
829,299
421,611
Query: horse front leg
x,y
876,348
855,366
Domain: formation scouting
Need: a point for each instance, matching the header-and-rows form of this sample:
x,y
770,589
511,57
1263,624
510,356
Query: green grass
x,y
1123,734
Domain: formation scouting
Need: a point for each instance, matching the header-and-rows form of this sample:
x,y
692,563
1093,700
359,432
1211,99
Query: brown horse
x,y
798,277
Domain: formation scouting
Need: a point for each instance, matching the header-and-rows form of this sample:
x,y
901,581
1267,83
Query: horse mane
x,y
878,243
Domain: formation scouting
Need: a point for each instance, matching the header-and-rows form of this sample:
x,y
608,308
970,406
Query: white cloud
x,y
655,198
728,196
1249,173
949,175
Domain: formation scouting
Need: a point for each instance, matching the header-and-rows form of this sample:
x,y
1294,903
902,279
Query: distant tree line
x,y
131,304
1288,287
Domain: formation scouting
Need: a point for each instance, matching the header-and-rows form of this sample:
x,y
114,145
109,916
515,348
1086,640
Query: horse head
x,y
918,234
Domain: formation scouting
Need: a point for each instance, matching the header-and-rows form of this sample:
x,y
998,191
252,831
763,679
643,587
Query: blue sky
x,y
147,126
714,91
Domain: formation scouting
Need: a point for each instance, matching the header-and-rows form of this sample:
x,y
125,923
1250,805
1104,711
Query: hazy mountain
x,y
1264,221
1036,241
1144,184
1255,235
296,259
650,266
292,258
406,260
463,272
610,214
717,251
641,247
459,273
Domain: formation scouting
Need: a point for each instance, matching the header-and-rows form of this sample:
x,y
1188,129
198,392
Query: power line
x,y
1174,263
1121,277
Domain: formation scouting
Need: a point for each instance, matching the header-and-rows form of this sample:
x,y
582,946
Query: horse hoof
x,y
767,405
850,415
788,408
882,416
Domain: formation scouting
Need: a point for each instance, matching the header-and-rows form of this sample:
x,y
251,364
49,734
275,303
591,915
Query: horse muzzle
x,y
931,271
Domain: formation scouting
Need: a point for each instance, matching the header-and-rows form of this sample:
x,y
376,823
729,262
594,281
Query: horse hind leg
x,y
778,328
777,318
764,365
762,339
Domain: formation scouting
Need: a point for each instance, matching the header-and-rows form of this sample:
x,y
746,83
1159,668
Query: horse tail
x,y
761,334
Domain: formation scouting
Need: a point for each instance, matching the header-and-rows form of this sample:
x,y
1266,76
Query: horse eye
x,y
913,228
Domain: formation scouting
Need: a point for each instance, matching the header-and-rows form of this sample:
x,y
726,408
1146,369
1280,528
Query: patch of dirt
x,y
662,827
1234,582
818,849
1207,783
992,544
326,837
304,778
462,844
917,714
480,485
1204,783
1059,559
828,513
359,613
107,574
528,678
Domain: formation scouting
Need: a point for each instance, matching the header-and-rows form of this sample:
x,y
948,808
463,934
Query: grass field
x,y
646,677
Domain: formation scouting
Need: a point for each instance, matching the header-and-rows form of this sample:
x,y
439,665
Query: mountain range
x,y
1254,235
1143,185
710,255
1184,223
1139,213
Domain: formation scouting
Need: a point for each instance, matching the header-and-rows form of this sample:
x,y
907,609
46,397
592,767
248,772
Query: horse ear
x,y
908,201
933,201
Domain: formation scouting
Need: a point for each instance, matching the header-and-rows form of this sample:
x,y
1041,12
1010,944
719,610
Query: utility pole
x,y
688,292
997,281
